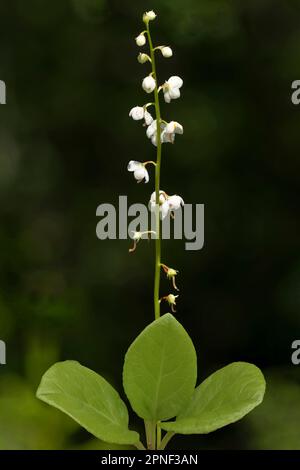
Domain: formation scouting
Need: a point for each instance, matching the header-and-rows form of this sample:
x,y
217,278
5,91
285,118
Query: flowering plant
x,y
160,368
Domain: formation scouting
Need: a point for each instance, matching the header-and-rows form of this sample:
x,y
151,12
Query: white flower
x,y
167,204
172,128
152,132
140,40
138,113
162,203
143,58
148,118
149,16
137,236
166,52
175,202
148,84
172,88
139,171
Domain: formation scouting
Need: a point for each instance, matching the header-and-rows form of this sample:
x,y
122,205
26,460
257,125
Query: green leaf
x,y
89,399
160,370
223,398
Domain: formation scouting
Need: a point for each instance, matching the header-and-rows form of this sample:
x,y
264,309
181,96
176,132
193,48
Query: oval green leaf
x,y
160,370
89,399
223,398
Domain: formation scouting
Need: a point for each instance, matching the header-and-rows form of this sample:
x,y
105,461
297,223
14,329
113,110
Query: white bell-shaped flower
x,y
175,202
149,84
172,88
149,16
140,40
166,52
138,113
167,204
162,203
164,207
148,118
143,58
169,132
139,171
152,132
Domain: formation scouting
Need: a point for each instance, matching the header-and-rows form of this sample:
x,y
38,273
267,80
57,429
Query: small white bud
x,y
140,40
143,58
166,52
149,16
172,299
149,84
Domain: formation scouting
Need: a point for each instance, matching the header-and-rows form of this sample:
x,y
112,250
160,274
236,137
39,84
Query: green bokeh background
x,y
65,139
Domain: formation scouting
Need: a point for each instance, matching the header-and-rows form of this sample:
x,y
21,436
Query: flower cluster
x,y
158,131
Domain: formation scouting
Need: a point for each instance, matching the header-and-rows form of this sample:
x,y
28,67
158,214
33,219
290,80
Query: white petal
x,y
175,202
152,197
167,97
154,139
174,93
167,52
178,128
175,81
133,165
151,129
151,206
140,40
164,137
148,84
165,209
170,129
139,174
146,175
137,113
148,118
162,197
167,137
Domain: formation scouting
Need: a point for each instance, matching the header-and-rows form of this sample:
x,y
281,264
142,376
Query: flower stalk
x,y
159,131
157,180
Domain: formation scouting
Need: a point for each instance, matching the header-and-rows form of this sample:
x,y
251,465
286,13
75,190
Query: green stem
x,y
166,440
150,427
139,446
158,435
157,182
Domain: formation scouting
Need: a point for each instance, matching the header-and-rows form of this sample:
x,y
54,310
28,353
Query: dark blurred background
x,y
65,139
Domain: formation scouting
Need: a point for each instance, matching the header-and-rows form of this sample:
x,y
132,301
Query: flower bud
x,y
149,16
171,299
149,84
140,40
166,52
143,58
171,274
